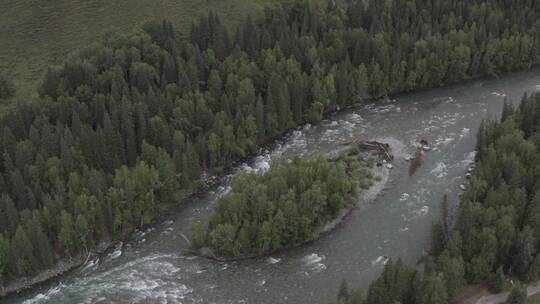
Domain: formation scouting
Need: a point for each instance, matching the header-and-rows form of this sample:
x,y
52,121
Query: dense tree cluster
x,y
518,295
132,124
346,296
286,206
400,283
499,219
497,233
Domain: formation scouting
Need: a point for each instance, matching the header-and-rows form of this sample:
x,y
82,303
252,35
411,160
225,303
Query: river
x,y
150,268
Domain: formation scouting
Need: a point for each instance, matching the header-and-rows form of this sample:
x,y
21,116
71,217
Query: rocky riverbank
x,y
63,266
381,176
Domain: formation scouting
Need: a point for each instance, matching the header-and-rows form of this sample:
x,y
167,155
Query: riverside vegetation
x,y
132,124
497,232
288,205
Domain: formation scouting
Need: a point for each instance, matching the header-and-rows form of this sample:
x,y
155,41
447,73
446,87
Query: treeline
x,y
499,218
286,206
399,283
134,123
497,234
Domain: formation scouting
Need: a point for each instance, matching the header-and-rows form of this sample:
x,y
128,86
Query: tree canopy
x,y
497,232
285,206
135,122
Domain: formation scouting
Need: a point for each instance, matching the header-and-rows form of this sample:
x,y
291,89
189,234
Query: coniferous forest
x,y
497,234
286,206
132,124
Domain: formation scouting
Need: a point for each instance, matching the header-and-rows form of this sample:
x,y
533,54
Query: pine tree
x,y
362,82
261,127
453,271
81,232
518,295
3,257
66,235
11,215
128,133
23,251
524,253
434,291
42,249
496,281
169,70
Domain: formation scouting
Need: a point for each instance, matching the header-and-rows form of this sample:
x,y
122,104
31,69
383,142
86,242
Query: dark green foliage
x,y
434,291
130,125
518,295
499,215
496,281
346,296
441,229
3,256
400,283
286,206
452,269
6,88
23,252
393,285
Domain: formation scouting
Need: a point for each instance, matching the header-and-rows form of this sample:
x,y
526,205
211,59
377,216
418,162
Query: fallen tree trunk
x,y
384,149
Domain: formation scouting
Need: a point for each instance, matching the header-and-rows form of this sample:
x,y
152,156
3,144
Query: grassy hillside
x,y
35,33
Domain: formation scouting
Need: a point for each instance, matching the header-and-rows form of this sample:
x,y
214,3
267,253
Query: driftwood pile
x,y
384,149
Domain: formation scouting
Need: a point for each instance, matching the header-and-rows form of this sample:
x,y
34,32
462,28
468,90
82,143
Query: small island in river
x,y
292,203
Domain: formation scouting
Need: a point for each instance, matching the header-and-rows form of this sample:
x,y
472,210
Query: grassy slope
x,y
36,33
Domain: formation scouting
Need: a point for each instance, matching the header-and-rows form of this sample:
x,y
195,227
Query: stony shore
x,y
63,266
